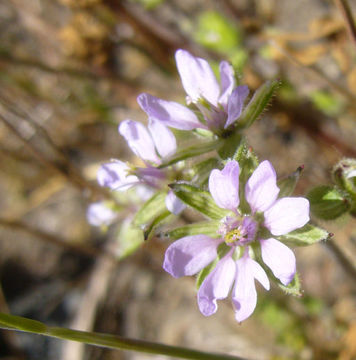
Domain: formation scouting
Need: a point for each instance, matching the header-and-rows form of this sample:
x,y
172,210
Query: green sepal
x,y
287,184
257,104
151,209
129,238
191,151
199,200
208,228
248,162
307,235
229,145
293,288
205,272
222,250
201,171
162,218
327,202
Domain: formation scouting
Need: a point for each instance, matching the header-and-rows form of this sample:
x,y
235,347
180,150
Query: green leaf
x,y
206,228
129,238
307,235
156,222
151,209
192,151
257,104
327,202
205,272
198,199
287,184
215,32
293,288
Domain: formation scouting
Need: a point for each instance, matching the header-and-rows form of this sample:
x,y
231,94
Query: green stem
x,y
11,322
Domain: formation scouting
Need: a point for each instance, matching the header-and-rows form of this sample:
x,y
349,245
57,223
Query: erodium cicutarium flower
x,y
220,105
239,235
152,146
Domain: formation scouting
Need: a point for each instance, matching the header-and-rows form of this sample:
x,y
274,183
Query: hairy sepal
x,y
258,103
208,228
307,235
199,200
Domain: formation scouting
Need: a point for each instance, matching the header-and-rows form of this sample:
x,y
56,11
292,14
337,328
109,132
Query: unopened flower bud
x,y
344,174
327,202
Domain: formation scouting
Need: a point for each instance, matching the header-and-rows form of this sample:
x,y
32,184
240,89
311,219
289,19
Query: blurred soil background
x,y
70,71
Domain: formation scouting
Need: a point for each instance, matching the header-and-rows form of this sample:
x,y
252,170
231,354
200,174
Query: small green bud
x,y
288,183
327,202
344,174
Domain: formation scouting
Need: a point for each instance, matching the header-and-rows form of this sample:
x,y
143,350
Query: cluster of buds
x,y
251,217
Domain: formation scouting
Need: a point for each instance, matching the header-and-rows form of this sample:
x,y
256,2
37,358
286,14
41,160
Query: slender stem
x,y
348,265
67,171
11,322
346,12
317,72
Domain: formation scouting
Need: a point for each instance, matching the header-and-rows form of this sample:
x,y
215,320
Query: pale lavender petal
x,y
235,104
224,186
139,140
114,176
216,285
190,254
169,113
261,189
287,214
351,174
174,204
197,77
144,192
227,79
260,275
279,258
244,295
163,138
151,176
99,214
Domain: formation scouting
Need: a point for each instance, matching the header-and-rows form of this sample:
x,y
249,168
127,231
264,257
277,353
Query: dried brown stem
x,y
65,169
316,72
55,240
346,12
347,264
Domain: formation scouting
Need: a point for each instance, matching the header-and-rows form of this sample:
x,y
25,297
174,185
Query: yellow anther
x,y
232,236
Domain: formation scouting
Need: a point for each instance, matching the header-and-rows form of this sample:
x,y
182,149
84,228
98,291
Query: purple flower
x,y
221,105
151,146
239,234
98,214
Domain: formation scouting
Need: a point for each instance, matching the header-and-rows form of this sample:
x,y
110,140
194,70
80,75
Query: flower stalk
x,y
11,322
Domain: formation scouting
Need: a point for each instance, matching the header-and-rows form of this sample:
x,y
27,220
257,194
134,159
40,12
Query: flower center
x,y
238,232
232,236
